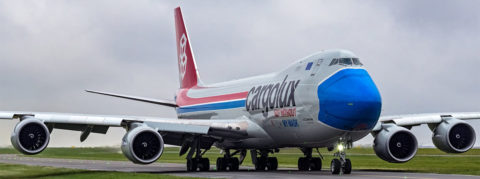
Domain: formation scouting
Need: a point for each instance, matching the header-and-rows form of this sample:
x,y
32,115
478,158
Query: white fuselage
x,y
311,103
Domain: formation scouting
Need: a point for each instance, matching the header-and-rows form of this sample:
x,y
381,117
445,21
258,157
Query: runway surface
x,y
180,170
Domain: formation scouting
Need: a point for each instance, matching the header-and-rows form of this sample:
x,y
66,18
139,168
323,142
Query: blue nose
x,y
349,100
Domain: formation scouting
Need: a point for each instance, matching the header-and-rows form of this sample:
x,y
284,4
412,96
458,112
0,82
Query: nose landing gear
x,y
341,165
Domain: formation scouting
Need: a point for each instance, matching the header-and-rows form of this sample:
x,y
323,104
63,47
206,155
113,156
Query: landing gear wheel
x,y
204,164
303,164
347,168
272,163
233,164
191,165
335,166
316,164
261,163
221,164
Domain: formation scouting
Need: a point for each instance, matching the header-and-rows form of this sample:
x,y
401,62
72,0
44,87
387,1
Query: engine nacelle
x,y
453,136
395,144
142,145
30,136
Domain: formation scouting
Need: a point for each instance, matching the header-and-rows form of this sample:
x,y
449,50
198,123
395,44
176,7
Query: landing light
x,y
340,147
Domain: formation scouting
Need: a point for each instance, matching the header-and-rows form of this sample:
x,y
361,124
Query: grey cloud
x,y
440,16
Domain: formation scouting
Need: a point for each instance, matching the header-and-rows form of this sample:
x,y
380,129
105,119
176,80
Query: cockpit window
x,y
334,62
356,61
346,62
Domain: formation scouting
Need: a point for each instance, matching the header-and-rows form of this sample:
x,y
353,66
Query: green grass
x,y
427,160
25,171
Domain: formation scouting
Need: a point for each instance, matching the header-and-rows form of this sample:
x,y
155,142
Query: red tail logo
x,y
187,69
182,56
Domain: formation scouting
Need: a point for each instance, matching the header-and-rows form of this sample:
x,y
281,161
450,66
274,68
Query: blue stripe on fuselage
x,y
212,106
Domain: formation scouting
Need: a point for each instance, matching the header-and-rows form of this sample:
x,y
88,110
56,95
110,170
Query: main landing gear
x,y
261,160
308,162
227,162
197,163
341,165
202,164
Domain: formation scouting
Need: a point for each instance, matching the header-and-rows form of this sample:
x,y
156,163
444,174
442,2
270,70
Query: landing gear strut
x,y
263,162
227,162
197,163
308,162
341,165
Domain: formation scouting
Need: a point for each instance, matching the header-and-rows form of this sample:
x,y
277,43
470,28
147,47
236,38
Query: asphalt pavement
x,y
180,170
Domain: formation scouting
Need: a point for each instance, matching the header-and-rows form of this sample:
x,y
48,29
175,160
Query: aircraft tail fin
x,y
187,67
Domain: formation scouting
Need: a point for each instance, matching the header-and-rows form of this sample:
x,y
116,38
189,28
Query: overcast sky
x,y
423,55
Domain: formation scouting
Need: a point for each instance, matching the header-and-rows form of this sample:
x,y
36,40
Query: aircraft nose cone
x,y
349,100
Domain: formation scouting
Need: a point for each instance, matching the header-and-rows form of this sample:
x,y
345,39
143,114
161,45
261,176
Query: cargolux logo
x,y
271,96
182,57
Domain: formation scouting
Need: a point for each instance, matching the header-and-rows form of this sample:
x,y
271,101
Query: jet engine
x,y
453,136
142,145
395,144
30,136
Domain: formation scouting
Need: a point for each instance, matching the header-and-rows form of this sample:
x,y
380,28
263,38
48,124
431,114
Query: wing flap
x,y
81,127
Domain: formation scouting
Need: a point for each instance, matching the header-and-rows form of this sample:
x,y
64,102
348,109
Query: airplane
x,y
325,100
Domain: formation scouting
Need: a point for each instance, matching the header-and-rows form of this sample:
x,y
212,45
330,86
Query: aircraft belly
x,y
311,134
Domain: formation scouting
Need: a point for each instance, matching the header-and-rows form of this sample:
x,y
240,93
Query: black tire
x,y
228,164
261,164
191,165
221,164
316,164
303,164
335,166
235,164
347,169
272,163
205,164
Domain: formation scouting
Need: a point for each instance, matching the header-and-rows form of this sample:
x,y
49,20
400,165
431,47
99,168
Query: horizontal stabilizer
x,y
147,100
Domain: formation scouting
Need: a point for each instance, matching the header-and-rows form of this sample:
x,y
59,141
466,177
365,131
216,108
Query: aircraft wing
x,y
410,120
218,128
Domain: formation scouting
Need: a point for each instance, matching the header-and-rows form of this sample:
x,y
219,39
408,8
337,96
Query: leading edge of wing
x,y
147,100
424,118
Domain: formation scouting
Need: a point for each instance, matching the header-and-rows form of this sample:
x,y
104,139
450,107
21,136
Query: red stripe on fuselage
x,y
184,100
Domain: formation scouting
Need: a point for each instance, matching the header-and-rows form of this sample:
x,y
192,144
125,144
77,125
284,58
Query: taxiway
x,y
179,169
